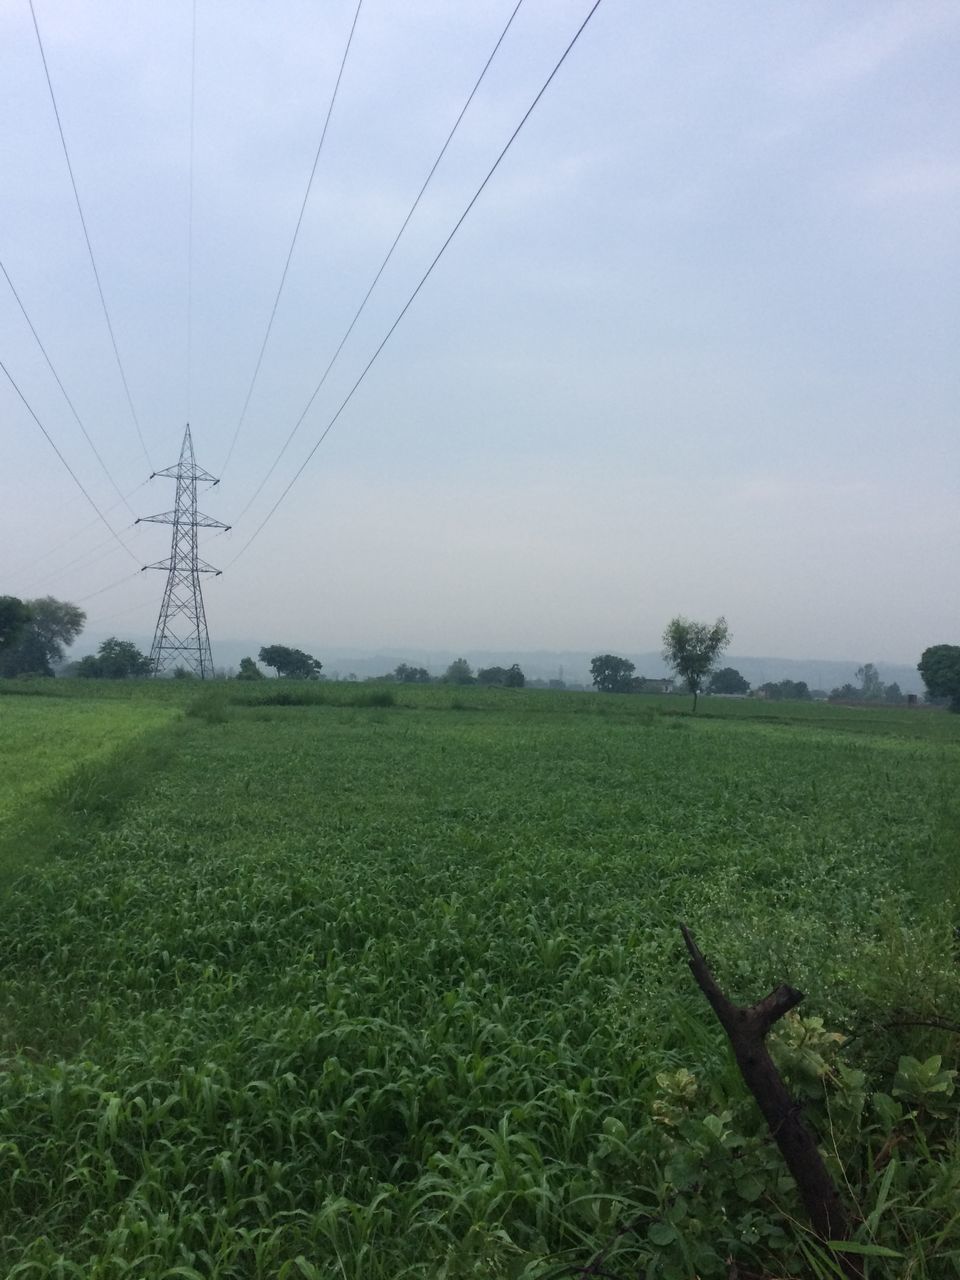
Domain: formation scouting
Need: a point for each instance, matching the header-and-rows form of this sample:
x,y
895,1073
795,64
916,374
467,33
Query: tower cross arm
x,y
208,522
165,517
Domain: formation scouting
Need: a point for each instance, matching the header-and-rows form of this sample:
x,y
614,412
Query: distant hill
x,y
545,664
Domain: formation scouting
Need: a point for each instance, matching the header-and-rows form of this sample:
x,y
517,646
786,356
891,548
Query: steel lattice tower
x,y
181,634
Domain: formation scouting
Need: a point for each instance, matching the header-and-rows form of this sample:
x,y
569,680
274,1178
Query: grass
x,y
370,990
43,740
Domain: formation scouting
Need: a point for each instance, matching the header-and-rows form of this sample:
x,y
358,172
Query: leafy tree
x,y
728,680
871,686
612,674
184,673
51,627
14,616
846,693
791,690
692,648
507,677
249,670
940,668
894,694
459,672
405,674
291,664
115,660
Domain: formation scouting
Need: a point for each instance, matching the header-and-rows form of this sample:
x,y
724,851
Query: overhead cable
x,y
296,233
380,270
72,538
76,479
86,236
111,586
423,279
70,404
86,560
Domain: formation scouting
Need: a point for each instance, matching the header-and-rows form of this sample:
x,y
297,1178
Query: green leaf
x,y
867,1250
662,1233
750,1188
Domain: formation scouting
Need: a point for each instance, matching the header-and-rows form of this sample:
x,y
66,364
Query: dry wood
x,y
746,1028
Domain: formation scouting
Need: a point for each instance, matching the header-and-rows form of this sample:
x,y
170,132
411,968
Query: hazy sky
x,y
694,350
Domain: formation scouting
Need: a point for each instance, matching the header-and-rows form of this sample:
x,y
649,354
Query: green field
x,y
298,985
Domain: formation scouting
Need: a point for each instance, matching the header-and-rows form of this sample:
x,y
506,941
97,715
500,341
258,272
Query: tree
x,y
292,664
846,693
692,648
871,686
792,690
506,677
115,660
893,694
728,680
51,627
458,672
249,670
14,616
405,674
612,674
940,668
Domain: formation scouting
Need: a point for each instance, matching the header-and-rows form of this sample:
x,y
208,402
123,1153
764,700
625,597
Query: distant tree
x,y
728,680
507,677
871,686
184,673
115,660
458,672
786,690
612,674
405,674
940,668
249,670
51,627
291,664
692,648
14,616
846,693
894,694
556,684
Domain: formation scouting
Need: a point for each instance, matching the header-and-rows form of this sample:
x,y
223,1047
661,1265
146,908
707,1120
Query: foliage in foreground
x,y
374,992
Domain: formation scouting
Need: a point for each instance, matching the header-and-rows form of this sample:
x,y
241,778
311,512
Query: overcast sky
x,y
693,351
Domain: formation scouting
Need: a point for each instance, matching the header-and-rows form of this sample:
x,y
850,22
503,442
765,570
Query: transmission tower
x,y
181,636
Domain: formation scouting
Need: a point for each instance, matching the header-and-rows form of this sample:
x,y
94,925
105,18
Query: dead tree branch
x,y
746,1028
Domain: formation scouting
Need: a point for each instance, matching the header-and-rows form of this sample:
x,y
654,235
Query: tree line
x,y
35,634
294,664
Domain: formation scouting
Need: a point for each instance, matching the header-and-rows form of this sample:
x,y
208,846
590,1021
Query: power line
x,y
423,279
86,560
86,236
68,541
109,587
396,240
71,405
296,233
77,481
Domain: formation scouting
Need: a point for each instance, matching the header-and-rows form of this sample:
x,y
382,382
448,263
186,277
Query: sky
x,y
693,350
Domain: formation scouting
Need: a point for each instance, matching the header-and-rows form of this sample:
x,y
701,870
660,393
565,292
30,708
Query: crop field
x,y
367,982
42,740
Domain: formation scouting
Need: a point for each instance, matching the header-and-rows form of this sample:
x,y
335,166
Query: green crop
x,y
350,987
